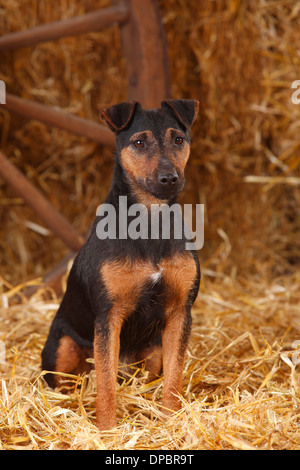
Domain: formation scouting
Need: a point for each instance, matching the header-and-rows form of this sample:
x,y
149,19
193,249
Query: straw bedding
x,y
241,380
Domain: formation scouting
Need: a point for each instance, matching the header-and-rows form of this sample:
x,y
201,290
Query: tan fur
x,y
179,275
178,155
125,278
106,365
173,361
145,198
71,359
135,161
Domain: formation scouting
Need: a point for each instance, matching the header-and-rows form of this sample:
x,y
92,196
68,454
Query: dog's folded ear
x,y
185,110
119,116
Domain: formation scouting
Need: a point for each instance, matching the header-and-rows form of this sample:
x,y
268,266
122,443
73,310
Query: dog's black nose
x,y
168,179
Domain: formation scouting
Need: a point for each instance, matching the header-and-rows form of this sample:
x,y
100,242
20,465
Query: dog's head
x,y
153,146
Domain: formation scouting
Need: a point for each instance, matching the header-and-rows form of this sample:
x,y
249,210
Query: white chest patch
x,y
155,277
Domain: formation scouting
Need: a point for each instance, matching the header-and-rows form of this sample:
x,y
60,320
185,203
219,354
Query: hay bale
x,y
236,57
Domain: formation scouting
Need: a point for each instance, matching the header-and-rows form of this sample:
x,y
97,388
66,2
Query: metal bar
x,y
45,210
93,21
53,117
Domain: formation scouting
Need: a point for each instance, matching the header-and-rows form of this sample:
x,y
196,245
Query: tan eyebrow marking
x,y
142,135
171,130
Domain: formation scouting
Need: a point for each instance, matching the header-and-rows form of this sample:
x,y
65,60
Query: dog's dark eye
x,y
138,144
178,140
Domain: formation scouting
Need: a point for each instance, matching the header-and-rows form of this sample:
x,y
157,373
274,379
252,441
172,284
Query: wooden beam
x,y
52,278
44,209
93,21
145,50
56,118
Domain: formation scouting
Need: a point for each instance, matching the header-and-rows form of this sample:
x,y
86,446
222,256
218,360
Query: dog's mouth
x,y
163,193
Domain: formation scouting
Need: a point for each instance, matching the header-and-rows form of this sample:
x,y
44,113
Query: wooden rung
x,y
93,21
53,278
61,119
44,209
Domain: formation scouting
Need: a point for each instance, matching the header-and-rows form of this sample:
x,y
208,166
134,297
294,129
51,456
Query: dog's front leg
x,y
106,355
174,344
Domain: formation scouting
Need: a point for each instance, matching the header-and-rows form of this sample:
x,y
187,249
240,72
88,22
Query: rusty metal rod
x,y
93,21
45,210
61,119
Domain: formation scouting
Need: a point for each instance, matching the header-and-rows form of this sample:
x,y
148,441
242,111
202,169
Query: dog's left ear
x,y
185,110
119,116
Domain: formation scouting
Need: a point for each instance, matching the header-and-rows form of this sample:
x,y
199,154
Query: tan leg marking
x,y
179,275
106,365
124,280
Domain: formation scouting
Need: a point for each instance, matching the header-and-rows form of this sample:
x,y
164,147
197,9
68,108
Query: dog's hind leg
x,y
152,358
62,354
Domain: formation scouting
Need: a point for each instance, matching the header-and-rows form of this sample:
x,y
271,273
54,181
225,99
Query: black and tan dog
x,y
130,299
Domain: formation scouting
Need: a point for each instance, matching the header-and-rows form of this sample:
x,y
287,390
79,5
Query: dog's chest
x,y
125,280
